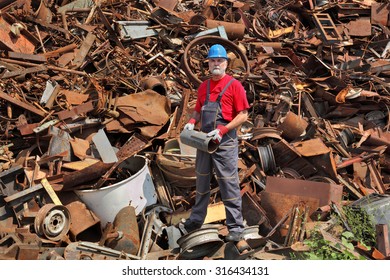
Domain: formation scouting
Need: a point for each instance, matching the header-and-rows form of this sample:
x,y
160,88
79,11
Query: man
x,y
221,107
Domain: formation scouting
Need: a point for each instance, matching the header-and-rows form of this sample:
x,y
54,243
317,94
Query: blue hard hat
x,y
217,51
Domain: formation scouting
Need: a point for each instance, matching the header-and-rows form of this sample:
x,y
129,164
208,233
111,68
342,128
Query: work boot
x,y
233,236
188,226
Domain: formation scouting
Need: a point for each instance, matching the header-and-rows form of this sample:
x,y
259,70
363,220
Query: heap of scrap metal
x,y
94,95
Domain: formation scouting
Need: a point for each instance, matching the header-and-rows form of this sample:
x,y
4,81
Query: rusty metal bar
x,y
21,104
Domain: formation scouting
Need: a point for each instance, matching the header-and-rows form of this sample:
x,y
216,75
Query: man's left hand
x,y
218,133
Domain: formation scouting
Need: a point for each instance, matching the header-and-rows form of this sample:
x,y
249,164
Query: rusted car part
x,y
84,250
255,216
196,51
8,183
267,159
123,234
20,245
152,229
85,224
298,220
292,126
52,222
162,188
199,243
233,30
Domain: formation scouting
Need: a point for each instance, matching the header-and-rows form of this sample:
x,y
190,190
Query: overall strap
x,y
224,89
207,91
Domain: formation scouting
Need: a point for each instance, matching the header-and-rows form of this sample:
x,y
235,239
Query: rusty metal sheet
x,y
74,97
80,147
78,165
312,147
326,193
253,212
81,109
286,156
277,205
144,107
379,13
325,165
8,41
168,4
85,224
27,129
360,27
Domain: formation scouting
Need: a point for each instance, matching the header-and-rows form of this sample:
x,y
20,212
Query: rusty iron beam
x,y
26,56
50,67
30,70
21,104
110,31
81,109
88,174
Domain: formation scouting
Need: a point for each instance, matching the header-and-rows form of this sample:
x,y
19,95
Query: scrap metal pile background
x,y
94,96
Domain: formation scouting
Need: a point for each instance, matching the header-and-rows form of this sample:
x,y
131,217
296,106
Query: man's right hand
x,y
190,125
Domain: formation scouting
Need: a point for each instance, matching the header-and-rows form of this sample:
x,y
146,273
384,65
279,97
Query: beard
x,y
217,71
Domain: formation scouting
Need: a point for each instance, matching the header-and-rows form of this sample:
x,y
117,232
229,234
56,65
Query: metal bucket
x,y
138,191
177,163
199,140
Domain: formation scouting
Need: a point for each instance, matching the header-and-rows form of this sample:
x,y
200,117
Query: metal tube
x,y
199,140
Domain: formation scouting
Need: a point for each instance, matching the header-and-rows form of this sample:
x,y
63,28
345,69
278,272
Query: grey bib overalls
x,y
224,161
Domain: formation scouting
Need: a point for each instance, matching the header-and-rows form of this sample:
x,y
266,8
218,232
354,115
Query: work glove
x,y
218,133
190,125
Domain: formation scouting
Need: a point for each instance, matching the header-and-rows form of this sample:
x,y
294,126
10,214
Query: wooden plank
x,y
50,192
215,213
79,165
